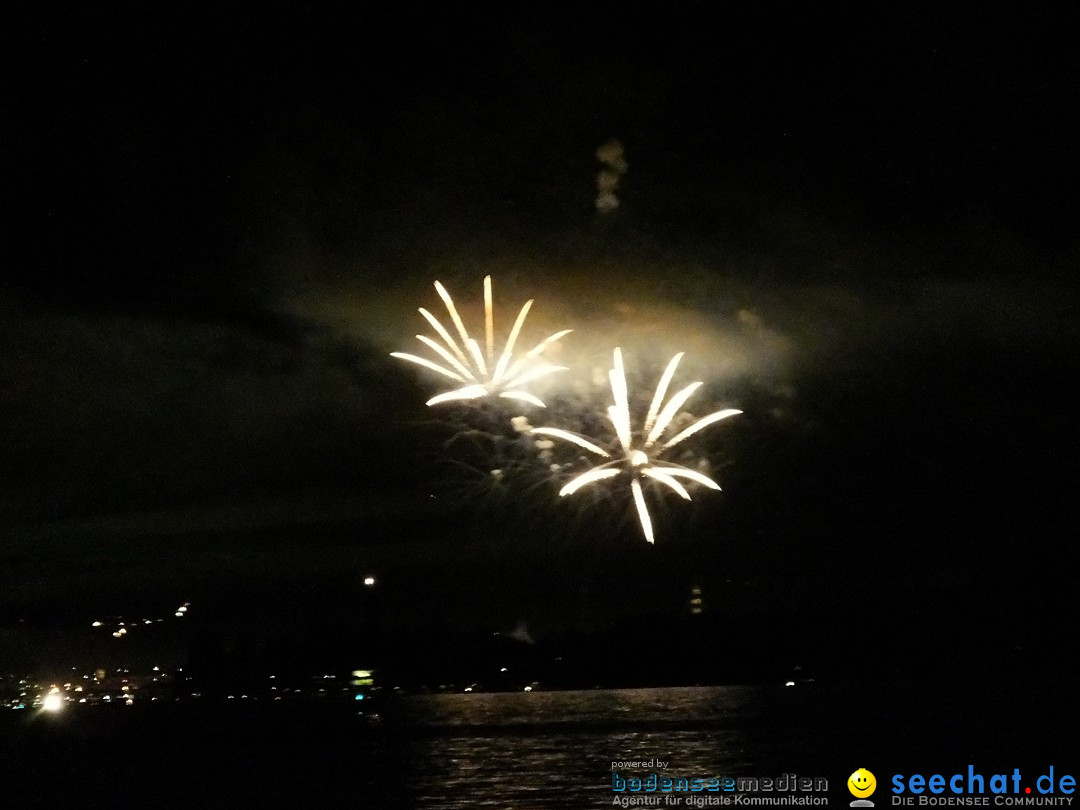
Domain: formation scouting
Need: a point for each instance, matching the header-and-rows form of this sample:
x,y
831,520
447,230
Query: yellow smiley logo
x,y
861,783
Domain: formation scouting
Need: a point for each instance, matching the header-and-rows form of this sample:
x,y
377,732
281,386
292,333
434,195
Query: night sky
x,y
861,229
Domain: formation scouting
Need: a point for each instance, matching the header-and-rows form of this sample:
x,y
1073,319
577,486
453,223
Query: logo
x,y
862,784
960,789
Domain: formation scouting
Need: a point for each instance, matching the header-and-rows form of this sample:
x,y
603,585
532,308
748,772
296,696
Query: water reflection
x,y
555,749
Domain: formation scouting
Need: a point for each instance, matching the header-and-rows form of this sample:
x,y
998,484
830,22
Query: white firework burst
x,y
639,453
477,370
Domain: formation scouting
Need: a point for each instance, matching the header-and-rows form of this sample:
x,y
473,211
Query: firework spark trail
x,y
478,370
641,450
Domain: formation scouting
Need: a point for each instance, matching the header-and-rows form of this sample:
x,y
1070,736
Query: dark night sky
x,y
218,224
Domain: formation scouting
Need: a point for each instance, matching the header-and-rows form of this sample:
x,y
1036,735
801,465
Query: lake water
x,y
526,750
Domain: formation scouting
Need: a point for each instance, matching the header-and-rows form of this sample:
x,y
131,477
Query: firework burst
x,y
477,370
637,454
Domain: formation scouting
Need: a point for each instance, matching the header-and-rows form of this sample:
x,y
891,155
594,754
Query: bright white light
x,y
643,510
479,372
53,702
641,450
369,581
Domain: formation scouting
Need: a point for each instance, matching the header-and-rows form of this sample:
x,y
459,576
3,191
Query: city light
x,y
53,701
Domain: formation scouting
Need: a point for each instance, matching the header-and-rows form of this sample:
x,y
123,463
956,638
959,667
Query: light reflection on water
x,y
604,706
555,749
